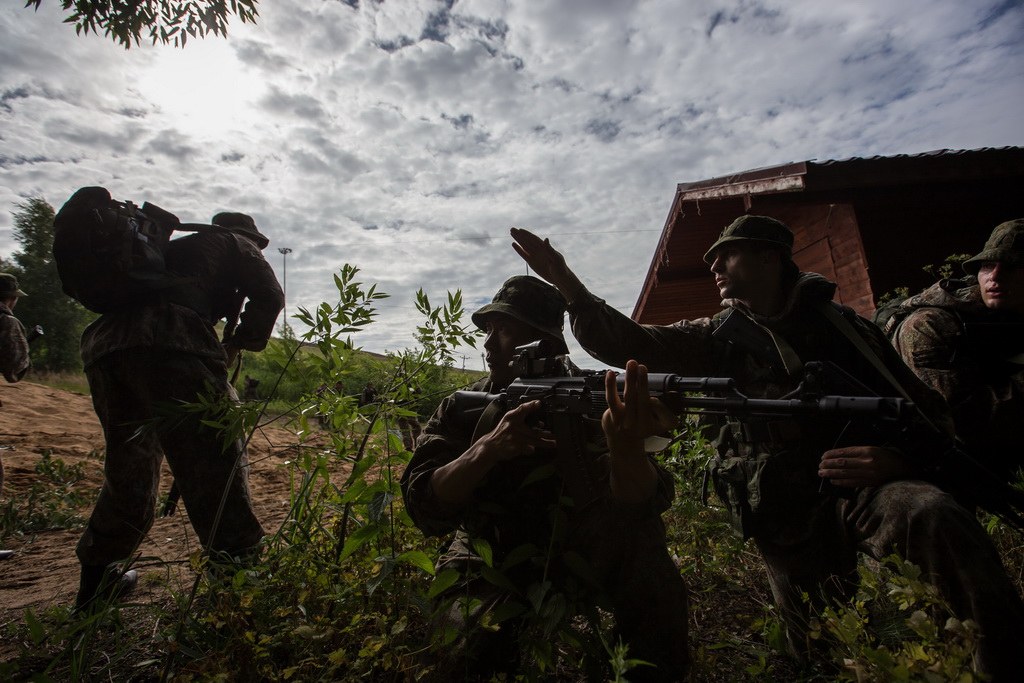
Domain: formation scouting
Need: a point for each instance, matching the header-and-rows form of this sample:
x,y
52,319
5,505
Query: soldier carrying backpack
x,y
965,339
153,346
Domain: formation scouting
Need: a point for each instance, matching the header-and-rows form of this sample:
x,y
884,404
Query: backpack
x,y
110,254
891,314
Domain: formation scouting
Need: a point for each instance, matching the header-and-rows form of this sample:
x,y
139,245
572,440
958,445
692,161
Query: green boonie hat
x,y
528,300
242,224
1005,245
9,286
754,229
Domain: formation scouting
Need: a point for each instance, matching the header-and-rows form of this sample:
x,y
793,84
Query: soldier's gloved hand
x,y
859,466
626,423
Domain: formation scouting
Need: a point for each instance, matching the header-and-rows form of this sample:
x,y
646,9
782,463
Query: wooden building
x,y
869,224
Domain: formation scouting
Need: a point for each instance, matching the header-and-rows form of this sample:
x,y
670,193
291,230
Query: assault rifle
x,y
826,391
585,394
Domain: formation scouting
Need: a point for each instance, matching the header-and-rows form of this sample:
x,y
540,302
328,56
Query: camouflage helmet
x,y
242,224
528,300
760,229
9,286
1005,245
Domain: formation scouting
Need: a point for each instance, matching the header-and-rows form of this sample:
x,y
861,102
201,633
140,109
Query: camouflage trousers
x,y
635,579
130,390
922,524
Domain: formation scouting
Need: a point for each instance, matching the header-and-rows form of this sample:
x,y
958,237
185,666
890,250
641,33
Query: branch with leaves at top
x,y
162,21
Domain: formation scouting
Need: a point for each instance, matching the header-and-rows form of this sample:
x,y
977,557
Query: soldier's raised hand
x,y
546,262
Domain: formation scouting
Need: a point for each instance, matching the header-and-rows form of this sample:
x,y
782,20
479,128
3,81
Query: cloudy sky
x,y
406,137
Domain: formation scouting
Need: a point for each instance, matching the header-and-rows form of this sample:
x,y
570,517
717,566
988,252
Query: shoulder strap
x,y
843,325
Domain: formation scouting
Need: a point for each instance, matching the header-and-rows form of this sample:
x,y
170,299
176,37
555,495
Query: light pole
x,y
284,284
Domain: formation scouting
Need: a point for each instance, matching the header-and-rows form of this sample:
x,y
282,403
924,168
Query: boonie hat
x,y
529,300
243,224
9,286
1005,245
754,229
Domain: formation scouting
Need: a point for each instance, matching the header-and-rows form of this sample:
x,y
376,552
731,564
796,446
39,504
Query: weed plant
x,y
53,500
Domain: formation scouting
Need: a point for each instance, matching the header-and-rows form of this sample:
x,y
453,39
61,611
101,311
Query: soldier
x,y
965,339
143,359
490,489
14,360
769,472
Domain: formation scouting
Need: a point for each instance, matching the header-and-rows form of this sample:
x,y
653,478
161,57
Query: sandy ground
x,y
44,570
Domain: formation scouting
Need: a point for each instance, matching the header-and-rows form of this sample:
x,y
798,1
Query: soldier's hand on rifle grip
x,y
516,435
546,262
860,466
626,423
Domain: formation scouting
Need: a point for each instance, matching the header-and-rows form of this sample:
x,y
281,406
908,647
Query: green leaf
x,y
442,582
483,549
417,558
359,537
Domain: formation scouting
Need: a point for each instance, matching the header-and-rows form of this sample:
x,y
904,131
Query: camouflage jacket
x,y
968,354
214,272
516,504
14,360
766,469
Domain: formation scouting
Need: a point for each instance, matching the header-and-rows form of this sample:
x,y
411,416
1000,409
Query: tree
x,y
61,317
165,21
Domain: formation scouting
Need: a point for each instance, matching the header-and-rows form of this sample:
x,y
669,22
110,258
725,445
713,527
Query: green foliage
x,y
950,267
162,21
52,501
61,317
898,628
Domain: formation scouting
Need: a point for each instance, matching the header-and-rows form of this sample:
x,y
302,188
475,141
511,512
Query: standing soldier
x,y
966,340
14,361
163,352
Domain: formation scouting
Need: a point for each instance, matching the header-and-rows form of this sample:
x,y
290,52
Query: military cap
x,y
9,286
528,300
242,224
760,229
1005,245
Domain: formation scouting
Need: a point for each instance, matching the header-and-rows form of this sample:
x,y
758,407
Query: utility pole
x,y
284,284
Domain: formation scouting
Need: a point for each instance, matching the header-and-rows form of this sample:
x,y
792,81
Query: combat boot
x,y
100,584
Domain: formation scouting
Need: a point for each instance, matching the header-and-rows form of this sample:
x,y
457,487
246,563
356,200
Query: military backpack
x,y
110,254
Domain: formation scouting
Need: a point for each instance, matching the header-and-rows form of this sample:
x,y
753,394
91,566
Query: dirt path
x,y
44,570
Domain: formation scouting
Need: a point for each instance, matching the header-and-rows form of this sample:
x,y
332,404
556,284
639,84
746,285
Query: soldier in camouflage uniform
x,y
966,340
14,361
490,489
141,361
769,472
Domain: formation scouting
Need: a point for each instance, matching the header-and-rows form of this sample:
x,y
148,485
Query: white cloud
x,y
407,137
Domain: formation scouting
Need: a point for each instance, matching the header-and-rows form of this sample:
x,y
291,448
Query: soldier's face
x,y
1002,286
504,334
740,272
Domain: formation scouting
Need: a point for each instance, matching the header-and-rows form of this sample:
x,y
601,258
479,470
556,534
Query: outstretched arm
x,y
547,262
